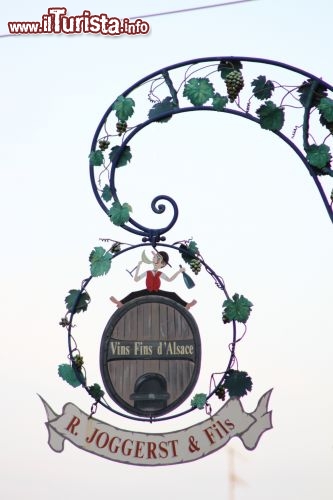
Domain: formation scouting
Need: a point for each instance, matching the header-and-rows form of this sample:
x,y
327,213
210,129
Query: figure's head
x,y
160,259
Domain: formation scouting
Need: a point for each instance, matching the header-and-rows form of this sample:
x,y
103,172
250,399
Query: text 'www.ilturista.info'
x,y
57,22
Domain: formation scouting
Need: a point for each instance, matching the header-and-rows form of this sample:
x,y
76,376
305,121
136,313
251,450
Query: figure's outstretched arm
x,y
171,278
137,276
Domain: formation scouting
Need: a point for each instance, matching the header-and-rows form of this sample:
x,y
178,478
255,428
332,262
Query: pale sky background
x,y
243,195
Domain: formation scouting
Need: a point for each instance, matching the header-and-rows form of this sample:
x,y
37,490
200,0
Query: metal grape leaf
x,y
219,102
162,107
82,303
106,194
326,108
198,91
271,117
199,401
237,309
188,252
124,108
119,214
96,158
100,261
124,158
237,383
67,373
311,90
95,391
318,156
193,247
325,123
262,88
226,67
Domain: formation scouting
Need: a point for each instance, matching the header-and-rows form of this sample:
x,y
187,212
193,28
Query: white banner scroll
x,y
150,449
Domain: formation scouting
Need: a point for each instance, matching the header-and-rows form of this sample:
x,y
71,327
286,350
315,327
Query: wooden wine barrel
x,y
150,355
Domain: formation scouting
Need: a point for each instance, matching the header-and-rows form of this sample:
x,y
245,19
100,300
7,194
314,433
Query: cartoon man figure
x,y
153,282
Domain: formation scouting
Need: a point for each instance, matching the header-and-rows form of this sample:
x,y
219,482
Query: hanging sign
x,y
150,350
139,448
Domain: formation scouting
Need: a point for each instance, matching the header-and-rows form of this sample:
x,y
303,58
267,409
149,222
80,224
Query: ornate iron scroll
x,y
303,108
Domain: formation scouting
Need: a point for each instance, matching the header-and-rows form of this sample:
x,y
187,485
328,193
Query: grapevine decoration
x,y
119,214
121,127
125,155
195,265
77,301
78,361
100,261
234,82
160,108
64,322
103,145
190,254
220,392
116,247
290,102
67,373
95,391
199,401
237,384
189,251
237,309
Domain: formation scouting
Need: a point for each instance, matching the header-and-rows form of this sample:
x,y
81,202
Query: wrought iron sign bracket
x,y
160,330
